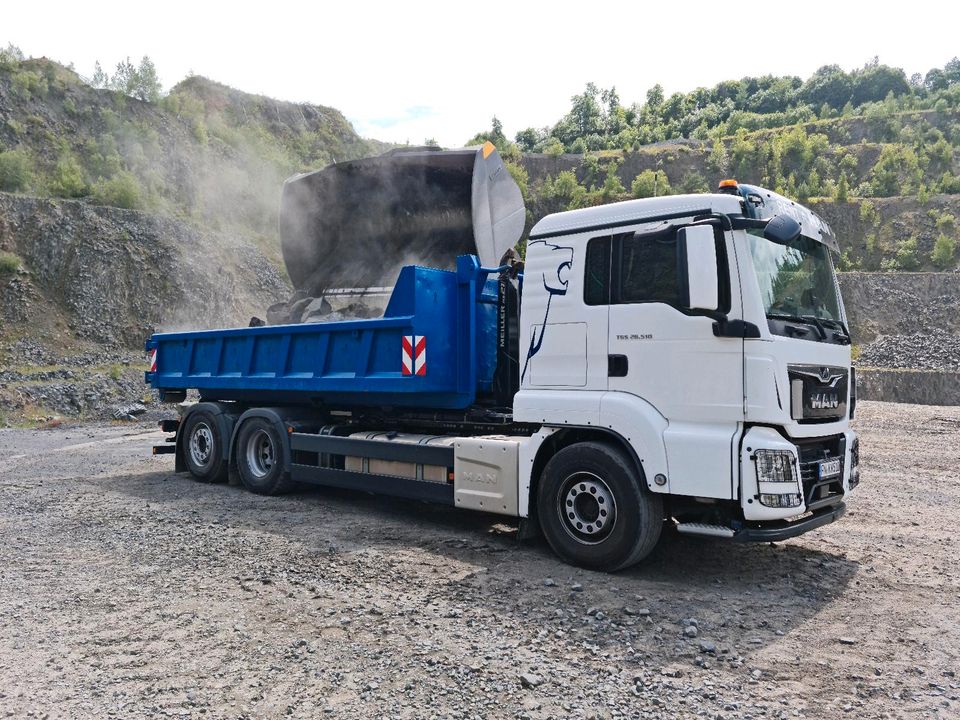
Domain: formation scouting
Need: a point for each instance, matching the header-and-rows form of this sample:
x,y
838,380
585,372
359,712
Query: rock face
x,y
898,303
923,387
907,326
119,275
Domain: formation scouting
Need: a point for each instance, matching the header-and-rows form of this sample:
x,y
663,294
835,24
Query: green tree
x,y
829,85
124,78
528,139
843,188
147,85
100,79
944,251
612,188
717,160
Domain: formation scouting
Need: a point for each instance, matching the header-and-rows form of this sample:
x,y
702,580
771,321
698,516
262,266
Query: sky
x,y
409,71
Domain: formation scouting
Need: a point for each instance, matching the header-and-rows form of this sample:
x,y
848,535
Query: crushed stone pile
x,y
932,350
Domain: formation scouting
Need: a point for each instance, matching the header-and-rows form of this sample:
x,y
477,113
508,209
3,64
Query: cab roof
x,y
751,201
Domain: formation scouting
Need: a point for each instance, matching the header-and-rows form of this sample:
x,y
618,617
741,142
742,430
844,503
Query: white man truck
x,y
678,361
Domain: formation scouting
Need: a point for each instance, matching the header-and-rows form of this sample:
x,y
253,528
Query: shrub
x,y
907,258
944,251
553,147
67,179
27,83
694,183
16,170
9,263
650,183
897,172
564,192
868,213
946,222
122,191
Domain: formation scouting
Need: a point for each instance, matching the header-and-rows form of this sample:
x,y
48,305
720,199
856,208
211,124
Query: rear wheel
x,y
203,448
260,458
593,509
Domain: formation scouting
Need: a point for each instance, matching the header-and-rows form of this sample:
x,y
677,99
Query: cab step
x,y
705,530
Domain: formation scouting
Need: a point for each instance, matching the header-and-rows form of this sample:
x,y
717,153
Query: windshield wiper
x,y
815,321
837,325
819,323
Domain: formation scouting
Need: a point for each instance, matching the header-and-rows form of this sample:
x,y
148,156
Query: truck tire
x,y
203,448
260,454
594,510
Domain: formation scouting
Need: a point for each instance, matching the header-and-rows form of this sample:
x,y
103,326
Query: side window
x,y
596,272
648,269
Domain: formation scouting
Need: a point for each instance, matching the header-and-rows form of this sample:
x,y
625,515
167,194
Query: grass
x,y
9,263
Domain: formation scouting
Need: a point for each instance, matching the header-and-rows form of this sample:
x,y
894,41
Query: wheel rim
x,y
260,454
201,444
587,508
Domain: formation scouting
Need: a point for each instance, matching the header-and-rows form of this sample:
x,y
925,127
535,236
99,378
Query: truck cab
x,y
704,337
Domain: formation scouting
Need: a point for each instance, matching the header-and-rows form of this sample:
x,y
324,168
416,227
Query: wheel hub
x,y
201,444
260,453
587,507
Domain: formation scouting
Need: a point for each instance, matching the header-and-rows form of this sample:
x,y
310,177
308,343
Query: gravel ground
x,y
128,591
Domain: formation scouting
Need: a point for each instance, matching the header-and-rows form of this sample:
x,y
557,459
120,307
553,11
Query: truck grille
x,y
817,394
819,493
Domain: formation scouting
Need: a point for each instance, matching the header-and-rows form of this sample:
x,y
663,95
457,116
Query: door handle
x,y
617,365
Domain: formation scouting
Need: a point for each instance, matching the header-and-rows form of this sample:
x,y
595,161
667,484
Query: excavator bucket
x,y
355,224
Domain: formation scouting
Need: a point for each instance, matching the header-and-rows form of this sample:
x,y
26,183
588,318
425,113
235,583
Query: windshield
x,y
795,279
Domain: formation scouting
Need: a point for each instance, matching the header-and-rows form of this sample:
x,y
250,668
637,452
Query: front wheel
x,y
260,458
593,509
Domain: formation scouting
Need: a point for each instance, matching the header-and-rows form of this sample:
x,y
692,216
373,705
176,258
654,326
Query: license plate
x,y
829,468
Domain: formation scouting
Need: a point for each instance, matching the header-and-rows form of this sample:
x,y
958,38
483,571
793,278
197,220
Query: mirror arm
x,y
745,223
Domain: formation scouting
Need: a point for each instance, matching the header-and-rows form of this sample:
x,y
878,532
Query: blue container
x,y
435,347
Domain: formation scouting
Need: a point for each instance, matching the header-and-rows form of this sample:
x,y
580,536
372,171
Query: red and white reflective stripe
x,y
414,355
153,360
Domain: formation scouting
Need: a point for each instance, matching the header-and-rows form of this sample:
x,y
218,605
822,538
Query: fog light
x,y
780,501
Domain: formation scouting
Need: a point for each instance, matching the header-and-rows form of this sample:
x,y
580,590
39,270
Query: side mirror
x,y
700,289
782,229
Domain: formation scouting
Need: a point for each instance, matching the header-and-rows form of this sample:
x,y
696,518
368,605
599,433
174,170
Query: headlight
x,y
777,478
776,466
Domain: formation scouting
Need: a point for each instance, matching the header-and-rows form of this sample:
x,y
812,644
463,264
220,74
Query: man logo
x,y
826,374
824,401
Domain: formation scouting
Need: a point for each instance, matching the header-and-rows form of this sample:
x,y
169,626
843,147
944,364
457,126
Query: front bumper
x,y
776,530
812,493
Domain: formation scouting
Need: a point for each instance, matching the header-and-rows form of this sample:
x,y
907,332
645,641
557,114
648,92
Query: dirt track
x,y
126,590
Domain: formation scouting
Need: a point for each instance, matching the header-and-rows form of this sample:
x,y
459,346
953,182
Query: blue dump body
x,y
357,362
